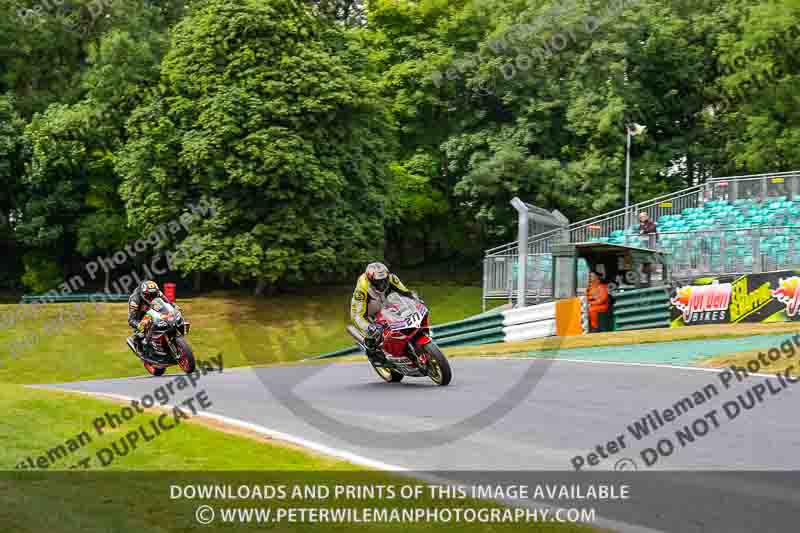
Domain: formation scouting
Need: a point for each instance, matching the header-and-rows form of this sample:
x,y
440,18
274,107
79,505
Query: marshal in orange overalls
x,y
597,296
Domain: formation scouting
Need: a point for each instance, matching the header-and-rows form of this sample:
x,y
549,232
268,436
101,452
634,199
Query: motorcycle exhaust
x,y
157,364
358,337
355,334
129,342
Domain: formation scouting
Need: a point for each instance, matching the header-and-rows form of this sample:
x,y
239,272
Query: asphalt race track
x,y
518,415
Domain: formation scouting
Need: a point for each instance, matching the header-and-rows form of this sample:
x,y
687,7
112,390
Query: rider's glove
x,y
143,324
374,333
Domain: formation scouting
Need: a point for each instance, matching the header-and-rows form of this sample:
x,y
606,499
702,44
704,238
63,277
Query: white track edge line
x,y
599,522
272,433
621,363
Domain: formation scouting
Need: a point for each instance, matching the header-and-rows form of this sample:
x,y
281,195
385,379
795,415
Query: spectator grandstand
x,y
730,236
707,229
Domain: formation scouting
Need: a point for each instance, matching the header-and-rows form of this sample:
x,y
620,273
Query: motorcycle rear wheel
x,y
438,366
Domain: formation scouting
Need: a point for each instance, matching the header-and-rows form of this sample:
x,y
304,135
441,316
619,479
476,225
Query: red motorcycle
x,y
407,345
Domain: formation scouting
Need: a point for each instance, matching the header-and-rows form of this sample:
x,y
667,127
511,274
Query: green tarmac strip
x,y
682,353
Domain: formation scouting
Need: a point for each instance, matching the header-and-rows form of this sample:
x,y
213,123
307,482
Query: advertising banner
x,y
729,299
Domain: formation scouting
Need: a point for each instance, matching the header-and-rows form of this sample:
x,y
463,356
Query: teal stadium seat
x,y
735,220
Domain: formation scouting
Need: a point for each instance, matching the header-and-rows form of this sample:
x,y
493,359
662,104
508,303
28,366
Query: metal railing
x,y
759,187
768,186
696,253
603,225
500,277
498,261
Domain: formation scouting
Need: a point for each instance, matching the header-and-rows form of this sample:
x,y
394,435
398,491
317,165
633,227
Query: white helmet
x,y
378,276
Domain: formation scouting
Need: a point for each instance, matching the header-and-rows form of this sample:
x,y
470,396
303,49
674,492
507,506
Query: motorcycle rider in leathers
x,y
369,296
138,304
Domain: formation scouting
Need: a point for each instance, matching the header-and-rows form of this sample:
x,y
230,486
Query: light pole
x,y
637,129
522,250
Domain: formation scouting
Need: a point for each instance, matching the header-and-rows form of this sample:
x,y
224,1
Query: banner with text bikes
x,y
730,299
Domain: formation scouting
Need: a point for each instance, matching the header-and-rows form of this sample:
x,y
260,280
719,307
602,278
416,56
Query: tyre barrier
x,y
641,309
533,322
584,314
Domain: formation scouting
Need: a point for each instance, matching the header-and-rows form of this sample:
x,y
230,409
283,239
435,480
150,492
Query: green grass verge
x,y
786,360
103,499
36,420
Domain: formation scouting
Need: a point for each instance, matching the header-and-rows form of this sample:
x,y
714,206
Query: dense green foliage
x,y
330,132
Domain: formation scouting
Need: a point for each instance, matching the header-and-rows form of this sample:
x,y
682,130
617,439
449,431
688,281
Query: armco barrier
x,y
532,322
641,309
481,329
469,326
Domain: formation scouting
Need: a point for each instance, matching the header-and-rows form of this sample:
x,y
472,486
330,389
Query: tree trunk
x,y
197,279
260,286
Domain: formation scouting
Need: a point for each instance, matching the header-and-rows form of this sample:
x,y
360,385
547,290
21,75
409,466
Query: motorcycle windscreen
x,y
401,312
160,309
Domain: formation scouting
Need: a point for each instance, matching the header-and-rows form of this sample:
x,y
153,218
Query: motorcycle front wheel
x,y
185,355
438,366
387,374
154,370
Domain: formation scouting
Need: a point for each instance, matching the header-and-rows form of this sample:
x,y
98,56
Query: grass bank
x,y
57,346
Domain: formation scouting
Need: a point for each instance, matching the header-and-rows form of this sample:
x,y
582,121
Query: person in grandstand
x,y
646,224
648,228
372,289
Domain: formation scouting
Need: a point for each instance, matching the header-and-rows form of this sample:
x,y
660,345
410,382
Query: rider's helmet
x,y
149,290
378,276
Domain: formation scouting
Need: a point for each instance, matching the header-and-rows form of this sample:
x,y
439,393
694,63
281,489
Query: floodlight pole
x,y
627,178
522,251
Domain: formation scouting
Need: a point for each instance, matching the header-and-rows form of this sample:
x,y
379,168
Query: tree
x,y
72,206
756,116
14,150
280,129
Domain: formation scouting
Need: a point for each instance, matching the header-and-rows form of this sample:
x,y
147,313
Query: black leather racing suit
x,y
137,307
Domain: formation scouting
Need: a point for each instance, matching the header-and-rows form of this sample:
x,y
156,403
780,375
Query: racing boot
x,y
374,351
372,341
138,342
376,356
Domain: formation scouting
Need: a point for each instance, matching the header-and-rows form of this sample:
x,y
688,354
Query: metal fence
x,y
499,262
500,277
760,187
